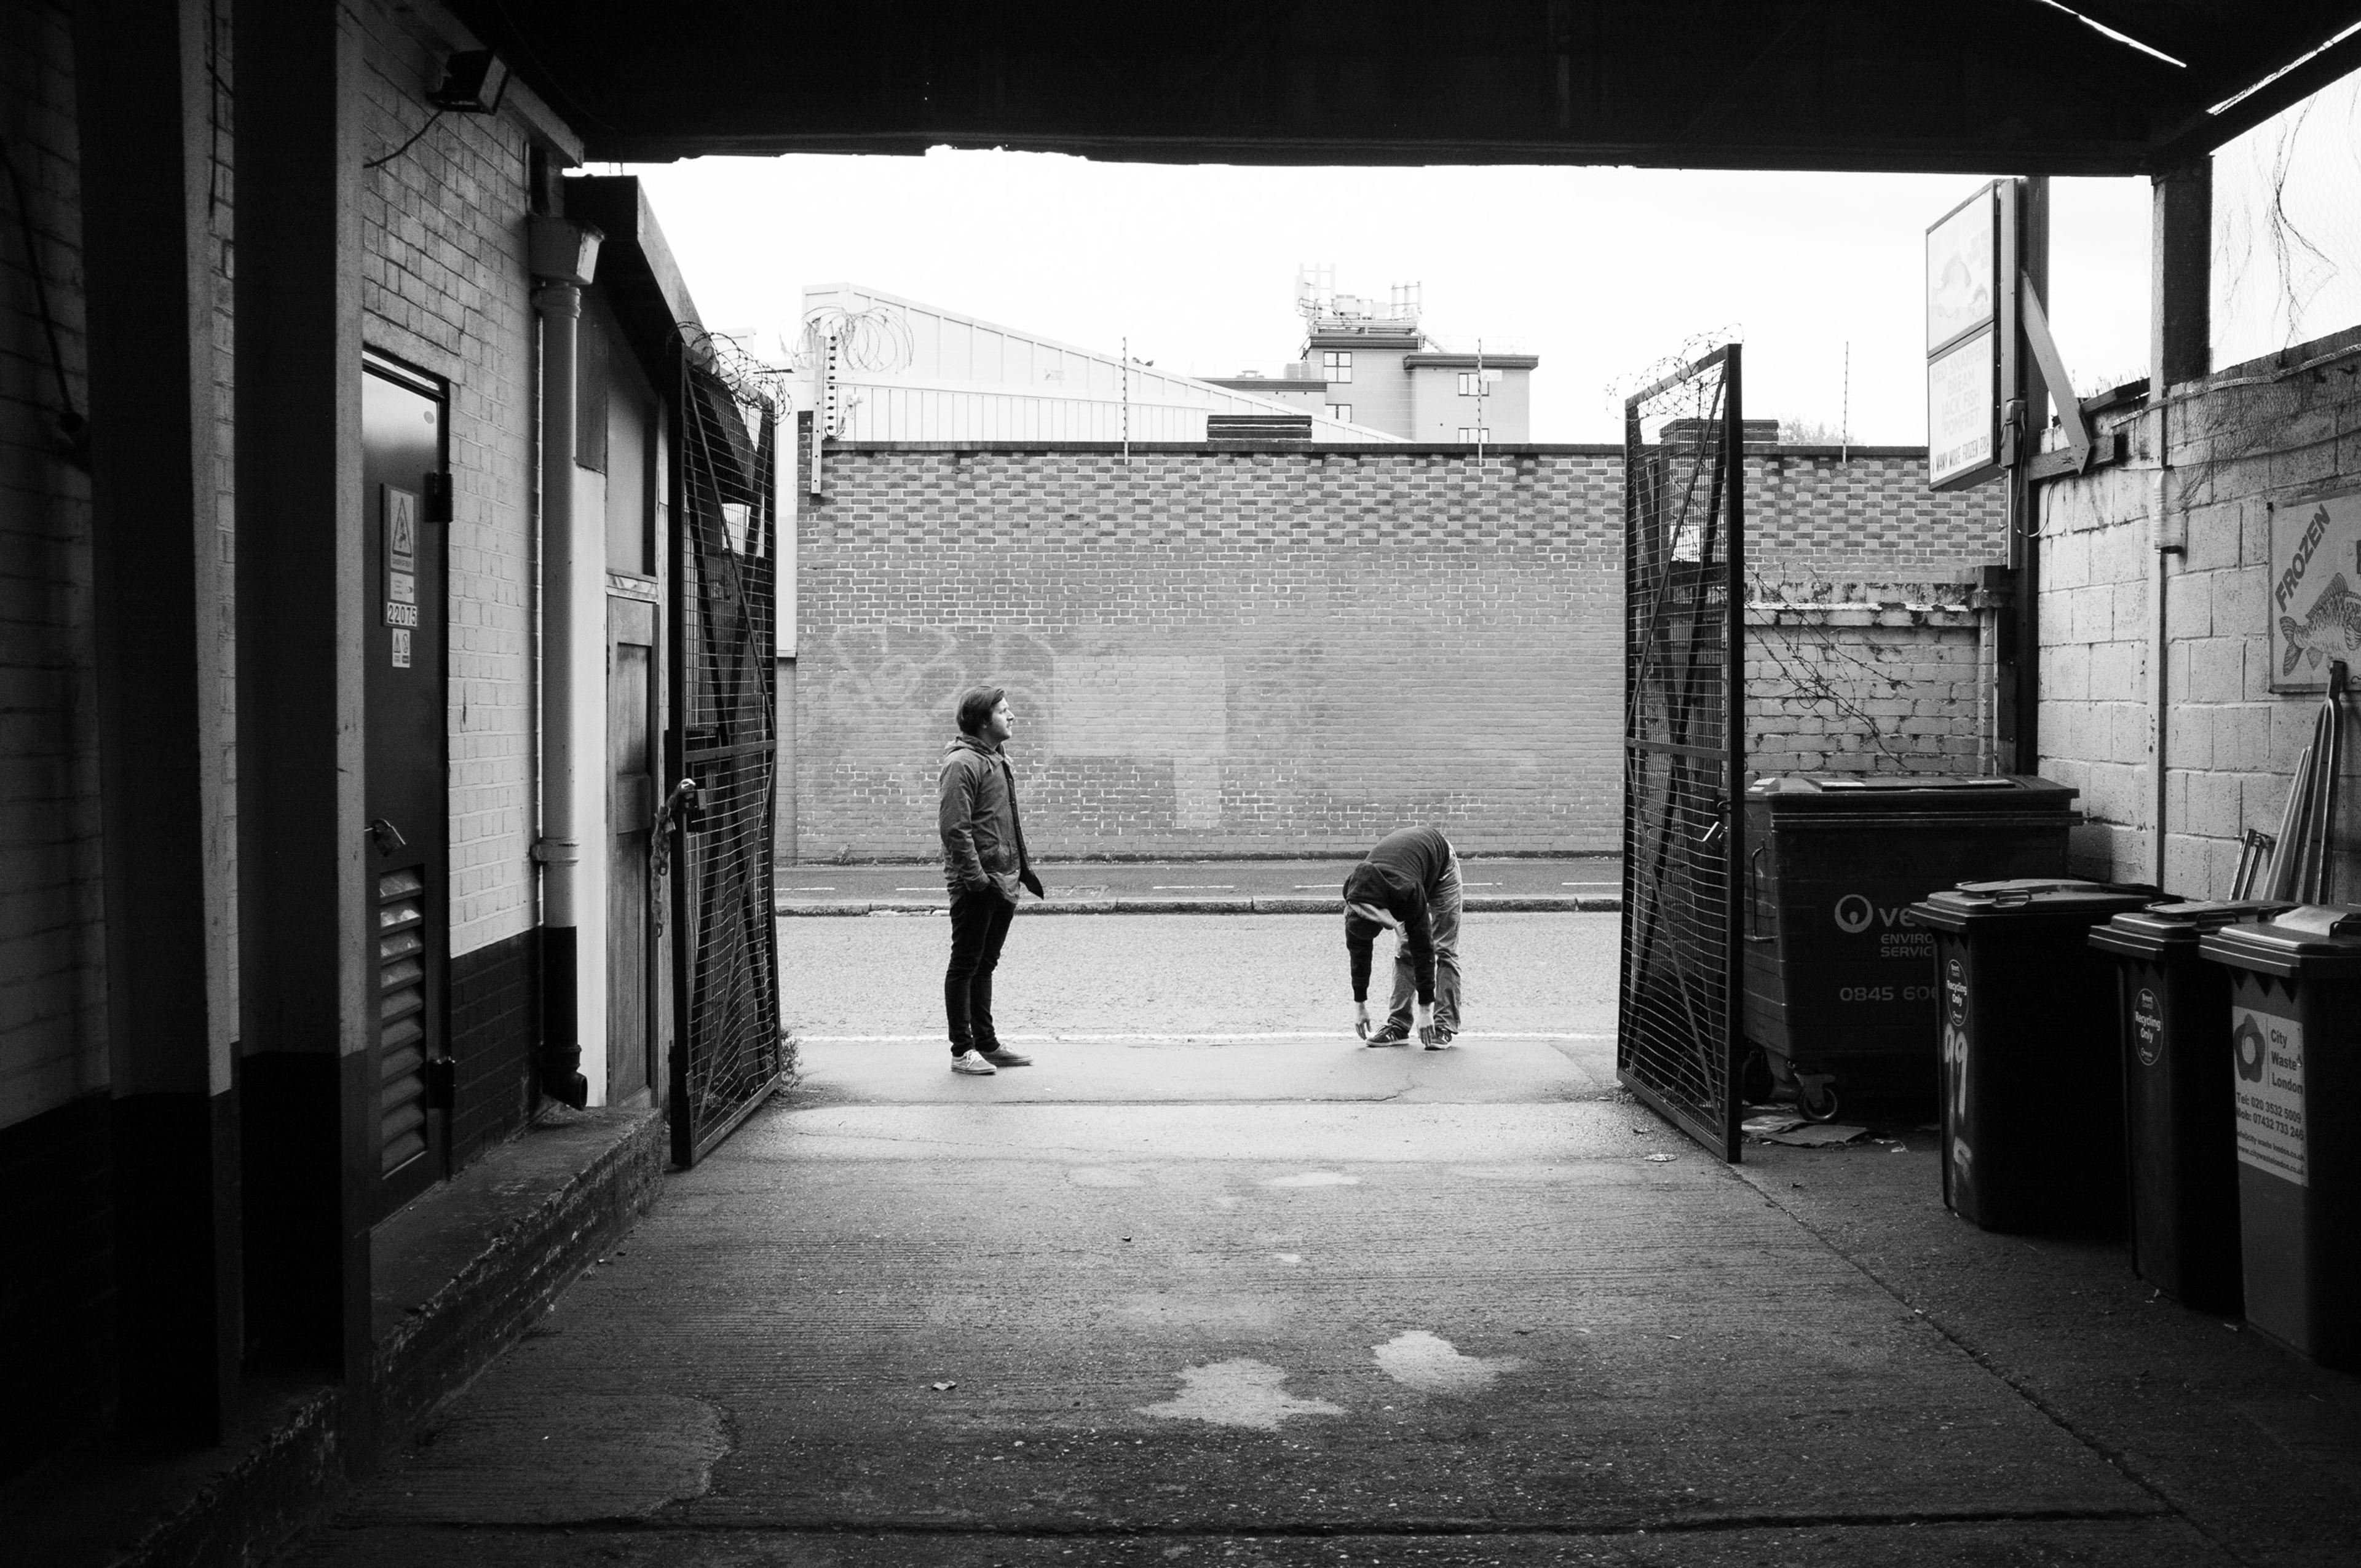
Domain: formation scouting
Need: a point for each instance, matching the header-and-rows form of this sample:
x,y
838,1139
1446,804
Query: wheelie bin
x,y
2172,1012
1840,998
2294,1067
2033,1089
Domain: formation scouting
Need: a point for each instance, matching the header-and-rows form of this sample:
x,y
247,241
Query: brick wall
x,y
1285,651
2234,446
1866,679
444,288
52,1040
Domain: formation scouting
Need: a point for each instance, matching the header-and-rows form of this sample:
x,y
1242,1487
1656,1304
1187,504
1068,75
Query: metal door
x,y
1678,1036
726,1055
405,505
631,812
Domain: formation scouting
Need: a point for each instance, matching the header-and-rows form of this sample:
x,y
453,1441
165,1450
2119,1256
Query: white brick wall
x,y
52,1018
444,288
2246,439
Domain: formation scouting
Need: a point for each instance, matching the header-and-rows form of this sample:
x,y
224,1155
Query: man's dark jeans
x,y
978,926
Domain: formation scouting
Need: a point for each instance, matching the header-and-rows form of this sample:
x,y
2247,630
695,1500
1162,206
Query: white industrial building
x,y
878,367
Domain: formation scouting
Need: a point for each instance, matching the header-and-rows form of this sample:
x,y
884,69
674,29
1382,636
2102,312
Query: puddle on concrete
x,y
1432,1364
1240,1393
1315,1179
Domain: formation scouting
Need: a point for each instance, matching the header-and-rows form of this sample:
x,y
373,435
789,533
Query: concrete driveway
x,y
1211,1283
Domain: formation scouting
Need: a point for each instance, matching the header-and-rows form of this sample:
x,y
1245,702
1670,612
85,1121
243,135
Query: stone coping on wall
x,y
1342,448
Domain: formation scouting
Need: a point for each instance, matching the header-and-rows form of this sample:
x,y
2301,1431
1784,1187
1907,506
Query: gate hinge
x,y
558,852
442,1083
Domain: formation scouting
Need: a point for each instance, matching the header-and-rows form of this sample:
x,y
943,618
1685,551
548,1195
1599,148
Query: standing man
x,y
984,863
1409,883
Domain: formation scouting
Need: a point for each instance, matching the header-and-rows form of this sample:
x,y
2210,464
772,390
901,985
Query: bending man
x,y
1409,883
984,863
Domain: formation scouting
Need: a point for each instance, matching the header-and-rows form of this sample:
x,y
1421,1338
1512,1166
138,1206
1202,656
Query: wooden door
x,y
631,811
405,508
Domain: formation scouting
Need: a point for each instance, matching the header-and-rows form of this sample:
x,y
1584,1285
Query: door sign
x,y
2313,611
400,557
2268,1088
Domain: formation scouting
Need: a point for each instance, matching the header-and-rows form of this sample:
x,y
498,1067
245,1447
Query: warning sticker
x,y
2268,1057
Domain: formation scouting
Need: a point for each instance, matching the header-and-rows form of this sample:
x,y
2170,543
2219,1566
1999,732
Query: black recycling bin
x,y
1840,998
2172,1012
2294,1066
2033,1088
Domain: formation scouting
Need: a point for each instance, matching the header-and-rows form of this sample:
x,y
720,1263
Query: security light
x,y
473,81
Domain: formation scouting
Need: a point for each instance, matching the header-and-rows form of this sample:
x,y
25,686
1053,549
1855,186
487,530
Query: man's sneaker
x,y
970,1061
1438,1038
1390,1035
1001,1056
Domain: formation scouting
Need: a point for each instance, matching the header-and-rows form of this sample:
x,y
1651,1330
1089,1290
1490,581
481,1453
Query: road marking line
x,y
1190,886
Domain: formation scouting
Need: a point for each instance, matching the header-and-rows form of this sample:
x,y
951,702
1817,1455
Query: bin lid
x,y
2321,940
2061,900
1943,794
2145,933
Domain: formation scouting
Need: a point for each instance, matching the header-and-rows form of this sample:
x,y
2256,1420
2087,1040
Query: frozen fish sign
x,y
2269,1091
2314,606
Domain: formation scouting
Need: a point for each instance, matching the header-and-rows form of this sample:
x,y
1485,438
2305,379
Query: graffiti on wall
x,y
1150,705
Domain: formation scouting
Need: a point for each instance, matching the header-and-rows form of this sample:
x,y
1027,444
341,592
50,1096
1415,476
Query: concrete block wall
x,y
444,288
2234,447
1278,651
52,1000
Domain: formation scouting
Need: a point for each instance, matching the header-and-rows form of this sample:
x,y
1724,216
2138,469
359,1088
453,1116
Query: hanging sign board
x,y
2312,610
1962,402
1963,393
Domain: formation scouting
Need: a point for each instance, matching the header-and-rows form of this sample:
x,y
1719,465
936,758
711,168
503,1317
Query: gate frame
x,y
1722,1138
691,1142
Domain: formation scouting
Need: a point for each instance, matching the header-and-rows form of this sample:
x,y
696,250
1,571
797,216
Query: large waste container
x,y
2172,1012
1840,1000
2032,1091
2295,1077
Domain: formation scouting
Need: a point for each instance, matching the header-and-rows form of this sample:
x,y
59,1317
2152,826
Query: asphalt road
x,y
1213,1283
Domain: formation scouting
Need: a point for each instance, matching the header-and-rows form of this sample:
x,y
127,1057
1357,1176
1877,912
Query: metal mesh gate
x,y
726,1053
1678,1046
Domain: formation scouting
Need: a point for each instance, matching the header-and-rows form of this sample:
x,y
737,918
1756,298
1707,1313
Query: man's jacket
x,y
1398,876
984,847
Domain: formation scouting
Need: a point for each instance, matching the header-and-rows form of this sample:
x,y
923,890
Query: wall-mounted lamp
x,y
473,81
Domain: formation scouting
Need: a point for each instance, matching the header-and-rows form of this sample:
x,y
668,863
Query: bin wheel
x,y
1816,1096
1754,1079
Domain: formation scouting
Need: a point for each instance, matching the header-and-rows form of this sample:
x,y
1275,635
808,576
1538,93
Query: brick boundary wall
x,y
1269,649
2237,444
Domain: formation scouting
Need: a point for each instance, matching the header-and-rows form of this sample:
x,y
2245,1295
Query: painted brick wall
x,y
1868,679
1263,651
2247,439
52,1040
444,288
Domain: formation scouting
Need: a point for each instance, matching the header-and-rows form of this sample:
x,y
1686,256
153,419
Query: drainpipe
x,y
2170,538
564,256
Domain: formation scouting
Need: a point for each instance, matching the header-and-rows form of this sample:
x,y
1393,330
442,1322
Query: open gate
x,y
726,1055
1678,1041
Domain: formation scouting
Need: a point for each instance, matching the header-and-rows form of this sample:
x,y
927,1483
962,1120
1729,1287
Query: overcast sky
x,y
1602,272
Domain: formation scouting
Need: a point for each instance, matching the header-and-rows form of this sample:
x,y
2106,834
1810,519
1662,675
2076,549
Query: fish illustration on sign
x,y
2333,627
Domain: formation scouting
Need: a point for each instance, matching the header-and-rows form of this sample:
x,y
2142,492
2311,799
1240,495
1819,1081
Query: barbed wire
x,y
1620,390
877,340
749,379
